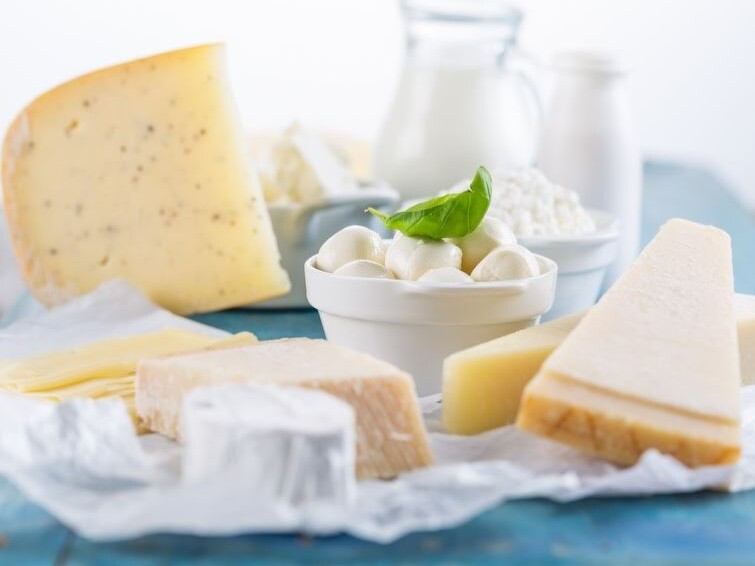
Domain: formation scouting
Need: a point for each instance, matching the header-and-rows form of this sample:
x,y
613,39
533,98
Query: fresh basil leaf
x,y
449,216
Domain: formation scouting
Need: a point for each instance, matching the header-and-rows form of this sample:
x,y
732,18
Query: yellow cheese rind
x,y
482,385
620,429
654,364
391,436
140,171
744,308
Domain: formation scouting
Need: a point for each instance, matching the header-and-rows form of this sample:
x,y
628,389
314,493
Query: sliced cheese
x,y
654,364
744,308
140,171
391,435
482,385
105,359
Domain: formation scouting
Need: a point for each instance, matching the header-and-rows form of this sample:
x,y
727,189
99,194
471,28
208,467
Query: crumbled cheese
x,y
303,168
530,205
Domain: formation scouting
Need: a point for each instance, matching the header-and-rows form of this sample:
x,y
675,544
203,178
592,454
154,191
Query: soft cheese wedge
x,y
744,309
654,364
391,435
140,171
482,385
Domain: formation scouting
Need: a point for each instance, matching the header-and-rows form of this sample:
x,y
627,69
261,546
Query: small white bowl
x,y
302,229
416,325
582,263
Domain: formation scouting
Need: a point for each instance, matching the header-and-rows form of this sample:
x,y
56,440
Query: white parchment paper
x,y
82,461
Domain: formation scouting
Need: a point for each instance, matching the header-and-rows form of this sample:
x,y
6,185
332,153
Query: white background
x,y
333,63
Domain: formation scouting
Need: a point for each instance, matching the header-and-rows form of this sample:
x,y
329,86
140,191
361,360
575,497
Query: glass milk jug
x,y
464,98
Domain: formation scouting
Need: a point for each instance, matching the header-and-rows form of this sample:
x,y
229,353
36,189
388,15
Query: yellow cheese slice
x,y
99,360
391,436
482,385
744,308
140,171
654,364
92,370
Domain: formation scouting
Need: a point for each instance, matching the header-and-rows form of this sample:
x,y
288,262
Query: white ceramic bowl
x,y
302,229
416,325
582,263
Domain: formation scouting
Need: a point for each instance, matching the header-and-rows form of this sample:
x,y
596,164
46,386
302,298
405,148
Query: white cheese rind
x,y
140,171
283,446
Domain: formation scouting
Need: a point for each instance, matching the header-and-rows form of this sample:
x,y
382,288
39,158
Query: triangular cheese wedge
x,y
654,364
140,171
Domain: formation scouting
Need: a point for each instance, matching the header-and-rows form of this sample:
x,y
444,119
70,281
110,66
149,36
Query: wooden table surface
x,y
703,528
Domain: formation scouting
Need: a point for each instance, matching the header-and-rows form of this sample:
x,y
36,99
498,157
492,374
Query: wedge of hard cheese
x,y
482,385
140,171
744,309
654,364
391,435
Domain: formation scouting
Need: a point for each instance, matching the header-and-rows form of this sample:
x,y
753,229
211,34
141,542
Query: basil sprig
x,y
449,216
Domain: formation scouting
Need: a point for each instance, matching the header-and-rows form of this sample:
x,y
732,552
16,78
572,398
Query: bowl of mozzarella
x,y
549,220
414,301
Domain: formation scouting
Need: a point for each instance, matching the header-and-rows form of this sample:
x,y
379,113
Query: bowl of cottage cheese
x,y
550,220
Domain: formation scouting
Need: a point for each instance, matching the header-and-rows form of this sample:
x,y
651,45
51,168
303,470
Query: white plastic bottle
x,y
589,144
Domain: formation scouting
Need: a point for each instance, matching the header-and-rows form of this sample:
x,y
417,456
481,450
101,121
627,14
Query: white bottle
x,y
589,144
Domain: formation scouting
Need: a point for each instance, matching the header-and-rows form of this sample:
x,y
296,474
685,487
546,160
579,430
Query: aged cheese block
x,y
482,385
140,171
744,309
654,364
391,436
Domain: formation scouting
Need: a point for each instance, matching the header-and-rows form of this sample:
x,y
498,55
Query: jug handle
x,y
530,70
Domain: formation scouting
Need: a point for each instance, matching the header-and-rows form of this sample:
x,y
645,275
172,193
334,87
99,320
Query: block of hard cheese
x,y
391,436
654,364
482,385
140,171
744,309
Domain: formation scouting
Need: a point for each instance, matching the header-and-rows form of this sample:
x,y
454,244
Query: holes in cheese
x,y
140,171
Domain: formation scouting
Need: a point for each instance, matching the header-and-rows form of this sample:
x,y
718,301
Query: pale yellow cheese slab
x,y
140,171
482,385
391,436
654,364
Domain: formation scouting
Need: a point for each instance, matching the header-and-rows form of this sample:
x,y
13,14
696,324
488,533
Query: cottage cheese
x,y
530,205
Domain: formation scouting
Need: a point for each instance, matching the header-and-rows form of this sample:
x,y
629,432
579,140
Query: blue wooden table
x,y
704,528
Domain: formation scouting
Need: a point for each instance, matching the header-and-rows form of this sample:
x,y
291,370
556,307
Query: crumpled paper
x,y
82,461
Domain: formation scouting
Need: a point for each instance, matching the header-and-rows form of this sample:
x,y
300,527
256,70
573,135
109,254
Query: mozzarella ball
x,y
409,258
490,234
445,275
364,268
506,263
347,245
